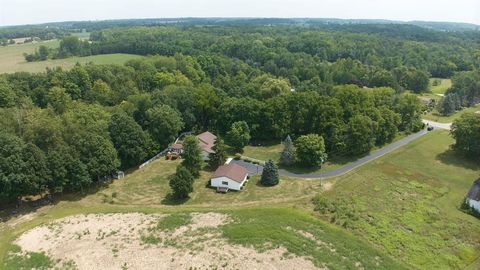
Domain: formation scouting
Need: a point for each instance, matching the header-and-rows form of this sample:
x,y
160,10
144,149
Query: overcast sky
x,y
13,12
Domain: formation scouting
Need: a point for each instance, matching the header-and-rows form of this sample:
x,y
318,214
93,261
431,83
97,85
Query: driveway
x,y
254,169
446,126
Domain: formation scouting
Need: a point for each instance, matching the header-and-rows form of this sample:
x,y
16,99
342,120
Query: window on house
x,y
225,183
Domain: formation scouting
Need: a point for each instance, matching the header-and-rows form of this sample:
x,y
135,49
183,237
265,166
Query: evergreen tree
x,y
270,174
219,156
192,159
182,183
287,157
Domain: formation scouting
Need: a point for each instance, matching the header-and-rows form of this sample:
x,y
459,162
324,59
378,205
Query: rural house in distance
x,y
206,140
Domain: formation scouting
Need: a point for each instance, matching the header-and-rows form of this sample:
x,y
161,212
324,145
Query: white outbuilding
x,y
229,176
473,196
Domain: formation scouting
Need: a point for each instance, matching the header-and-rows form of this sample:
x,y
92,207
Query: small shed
x,y
473,196
229,176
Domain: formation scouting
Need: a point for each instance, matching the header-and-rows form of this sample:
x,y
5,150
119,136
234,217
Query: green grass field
x,y
440,88
435,116
403,205
407,203
12,59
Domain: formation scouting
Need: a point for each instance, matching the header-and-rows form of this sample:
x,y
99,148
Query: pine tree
x,y
181,183
287,157
270,174
192,159
219,156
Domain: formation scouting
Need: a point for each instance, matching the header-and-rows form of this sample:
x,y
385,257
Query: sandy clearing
x,y
113,241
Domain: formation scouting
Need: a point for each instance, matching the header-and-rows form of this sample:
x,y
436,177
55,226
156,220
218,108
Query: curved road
x,y
257,169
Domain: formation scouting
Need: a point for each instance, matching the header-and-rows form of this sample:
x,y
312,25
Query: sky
x,y
14,12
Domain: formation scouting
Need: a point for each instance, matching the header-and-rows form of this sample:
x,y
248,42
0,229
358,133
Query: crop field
x,y
12,59
399,211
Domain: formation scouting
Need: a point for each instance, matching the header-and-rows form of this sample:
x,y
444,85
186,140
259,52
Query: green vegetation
x,y
310,150
407,203
270,175
435,116
303,235
439,85
466,132
68,130
173,221
424,183
29,260
12,58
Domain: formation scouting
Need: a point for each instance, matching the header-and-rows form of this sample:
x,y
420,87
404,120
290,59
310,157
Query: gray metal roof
x,y
474,193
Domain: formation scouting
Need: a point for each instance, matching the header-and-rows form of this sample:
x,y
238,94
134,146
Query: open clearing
x,y
12,59
113,241
243,239
441,88
407,203
404,205
435,116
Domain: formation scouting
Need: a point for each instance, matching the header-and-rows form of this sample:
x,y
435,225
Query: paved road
x,y
446,126
257,169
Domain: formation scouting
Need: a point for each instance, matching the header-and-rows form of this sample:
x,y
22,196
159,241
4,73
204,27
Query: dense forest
x,y
64,130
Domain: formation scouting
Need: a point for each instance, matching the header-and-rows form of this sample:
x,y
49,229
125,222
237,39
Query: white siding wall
x,y
205,156
217,182
474,204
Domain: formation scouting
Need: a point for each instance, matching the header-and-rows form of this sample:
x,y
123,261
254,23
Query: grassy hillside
x,y
12,59
407,203
404,205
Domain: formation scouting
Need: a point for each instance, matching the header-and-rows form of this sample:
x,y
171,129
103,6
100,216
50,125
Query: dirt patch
x,y
134,241
327,186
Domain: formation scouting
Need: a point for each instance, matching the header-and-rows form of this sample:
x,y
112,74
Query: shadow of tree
x,y
450,157
170,200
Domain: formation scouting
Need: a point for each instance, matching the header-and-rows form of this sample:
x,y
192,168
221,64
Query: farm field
x,y
12,59
423,183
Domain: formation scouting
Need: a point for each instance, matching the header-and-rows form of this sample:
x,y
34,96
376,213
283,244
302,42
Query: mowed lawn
x,y
440,88
12,59
407,203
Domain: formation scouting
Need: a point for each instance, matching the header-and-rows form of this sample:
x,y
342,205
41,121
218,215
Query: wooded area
x,y
64,130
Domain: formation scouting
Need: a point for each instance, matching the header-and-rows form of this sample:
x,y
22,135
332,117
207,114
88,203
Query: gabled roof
x,y
233,171
206,140
474,193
